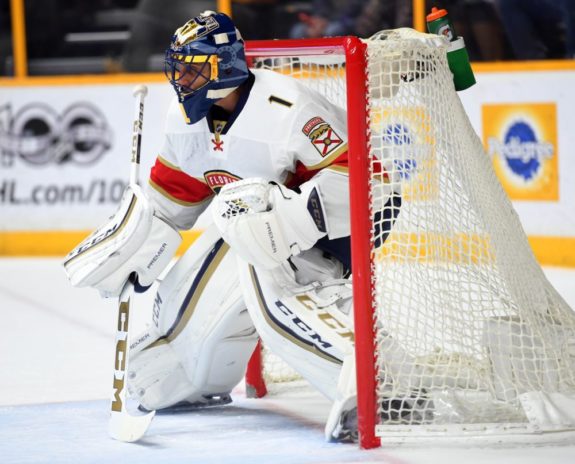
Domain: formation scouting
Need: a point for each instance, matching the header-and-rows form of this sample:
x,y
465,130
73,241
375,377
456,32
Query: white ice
x,y
56,350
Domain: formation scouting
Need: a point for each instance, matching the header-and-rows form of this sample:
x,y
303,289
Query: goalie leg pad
x,y
206,334
156,378
301,326
341,424
309,324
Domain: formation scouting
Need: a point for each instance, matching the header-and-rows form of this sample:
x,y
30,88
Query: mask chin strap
x,y
220,93
202,102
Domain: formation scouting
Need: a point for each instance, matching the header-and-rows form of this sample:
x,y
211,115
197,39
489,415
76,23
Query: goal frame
x,y
355,52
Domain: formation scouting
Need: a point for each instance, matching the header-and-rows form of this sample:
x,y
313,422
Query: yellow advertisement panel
x,y
522,141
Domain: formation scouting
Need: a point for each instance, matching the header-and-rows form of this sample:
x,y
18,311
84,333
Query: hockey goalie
x,y
267,159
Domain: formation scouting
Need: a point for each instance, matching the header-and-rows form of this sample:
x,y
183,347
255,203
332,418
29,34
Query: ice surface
x,y
56,350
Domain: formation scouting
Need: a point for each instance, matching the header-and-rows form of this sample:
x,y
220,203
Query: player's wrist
x,y
303,215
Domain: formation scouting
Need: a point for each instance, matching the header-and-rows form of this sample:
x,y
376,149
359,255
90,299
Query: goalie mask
x,y
205,62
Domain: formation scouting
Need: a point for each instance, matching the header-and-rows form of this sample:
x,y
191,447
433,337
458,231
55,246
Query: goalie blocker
x,y
133,241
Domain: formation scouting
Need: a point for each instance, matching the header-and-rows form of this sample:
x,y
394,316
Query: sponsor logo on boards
x,y
522,142
38,135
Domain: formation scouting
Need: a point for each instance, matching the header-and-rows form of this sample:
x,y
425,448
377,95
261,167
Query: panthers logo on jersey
x,y
217,179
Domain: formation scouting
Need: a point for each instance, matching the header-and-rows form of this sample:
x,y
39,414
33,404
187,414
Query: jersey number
x,y
279,101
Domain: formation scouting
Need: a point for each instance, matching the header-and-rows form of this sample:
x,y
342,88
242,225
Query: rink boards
x,y
65,147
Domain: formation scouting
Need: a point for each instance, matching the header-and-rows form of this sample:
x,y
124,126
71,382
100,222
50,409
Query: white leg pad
x,y
156,378
207,336
345,401
312,339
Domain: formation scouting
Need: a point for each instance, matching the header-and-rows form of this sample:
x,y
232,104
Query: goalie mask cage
x,y
458,333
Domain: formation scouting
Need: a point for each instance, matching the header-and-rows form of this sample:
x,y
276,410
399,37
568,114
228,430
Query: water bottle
x,y
438,22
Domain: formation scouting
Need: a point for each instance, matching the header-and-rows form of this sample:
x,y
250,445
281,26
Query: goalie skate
x,y
208,401
345,430
413,409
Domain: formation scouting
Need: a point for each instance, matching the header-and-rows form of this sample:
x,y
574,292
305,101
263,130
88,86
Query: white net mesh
x,y
466,320
467,324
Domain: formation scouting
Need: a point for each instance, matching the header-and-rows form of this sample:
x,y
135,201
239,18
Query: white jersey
x,y
280,131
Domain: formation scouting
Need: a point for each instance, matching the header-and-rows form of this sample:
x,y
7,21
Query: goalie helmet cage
x,y
458,333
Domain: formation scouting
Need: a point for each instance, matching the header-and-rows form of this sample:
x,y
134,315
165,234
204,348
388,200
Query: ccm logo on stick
x,y
120,357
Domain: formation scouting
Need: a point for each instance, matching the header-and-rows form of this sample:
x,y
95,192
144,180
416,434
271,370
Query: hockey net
x,y
464,333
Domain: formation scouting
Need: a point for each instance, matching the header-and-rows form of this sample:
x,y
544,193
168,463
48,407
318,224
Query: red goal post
x,y
354,51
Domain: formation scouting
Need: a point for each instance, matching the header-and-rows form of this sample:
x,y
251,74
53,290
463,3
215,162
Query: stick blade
x,y
128,428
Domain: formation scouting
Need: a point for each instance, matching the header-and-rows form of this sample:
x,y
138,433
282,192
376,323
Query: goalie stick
x,y
124,425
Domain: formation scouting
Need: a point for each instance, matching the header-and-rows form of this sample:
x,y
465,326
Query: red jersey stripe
x,y
179,185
